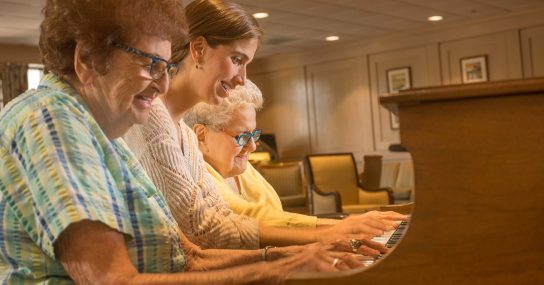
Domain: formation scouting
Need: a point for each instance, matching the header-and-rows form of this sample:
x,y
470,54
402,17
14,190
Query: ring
x,y
335,262
355,244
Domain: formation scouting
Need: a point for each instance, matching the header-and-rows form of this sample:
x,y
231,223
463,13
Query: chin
x,y
215,100
140,118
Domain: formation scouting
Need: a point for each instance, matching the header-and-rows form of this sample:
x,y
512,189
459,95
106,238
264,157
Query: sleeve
x,y
259,208
56,175
200,212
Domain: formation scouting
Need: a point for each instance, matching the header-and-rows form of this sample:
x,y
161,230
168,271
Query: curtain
x,y
14,80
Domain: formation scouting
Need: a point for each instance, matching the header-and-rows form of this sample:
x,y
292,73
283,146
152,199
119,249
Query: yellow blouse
x,y
258,199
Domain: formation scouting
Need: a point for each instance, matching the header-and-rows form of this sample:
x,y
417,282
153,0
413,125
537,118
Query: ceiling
x,y
296,25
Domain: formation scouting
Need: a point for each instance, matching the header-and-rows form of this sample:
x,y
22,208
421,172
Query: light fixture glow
x,y
435,18
260,15
332,38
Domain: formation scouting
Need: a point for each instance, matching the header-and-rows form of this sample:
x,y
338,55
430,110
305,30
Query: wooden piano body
x,y
478,153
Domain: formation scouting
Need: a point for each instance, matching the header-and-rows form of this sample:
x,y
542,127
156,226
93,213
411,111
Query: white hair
x,y
218,116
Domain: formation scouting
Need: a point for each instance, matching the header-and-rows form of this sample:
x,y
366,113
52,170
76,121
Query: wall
x,y
19,53
327,100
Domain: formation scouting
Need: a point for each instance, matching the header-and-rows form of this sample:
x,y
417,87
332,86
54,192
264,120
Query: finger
x,y
374,245
365,250
350,261
345,261
390,215
373,228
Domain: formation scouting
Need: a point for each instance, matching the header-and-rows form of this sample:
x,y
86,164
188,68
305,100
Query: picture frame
x,y
397,79
474,69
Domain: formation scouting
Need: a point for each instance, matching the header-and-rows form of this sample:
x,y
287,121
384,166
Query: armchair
x,y
289,181
338,173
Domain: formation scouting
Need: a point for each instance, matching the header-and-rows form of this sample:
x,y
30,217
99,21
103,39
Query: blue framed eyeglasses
x,y
158,66
243,138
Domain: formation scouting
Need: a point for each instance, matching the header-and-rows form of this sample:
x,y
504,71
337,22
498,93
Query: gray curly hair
x,y
218,116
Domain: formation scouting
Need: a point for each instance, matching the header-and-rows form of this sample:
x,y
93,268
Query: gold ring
x,y
355,244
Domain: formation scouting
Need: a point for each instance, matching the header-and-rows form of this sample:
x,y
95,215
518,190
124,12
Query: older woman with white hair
x,y
226,135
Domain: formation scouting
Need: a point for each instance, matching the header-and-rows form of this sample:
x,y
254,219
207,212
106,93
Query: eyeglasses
x,y
243,138
158,66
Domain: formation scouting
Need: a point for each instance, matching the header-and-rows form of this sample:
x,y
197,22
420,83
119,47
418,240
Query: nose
x,y
240,77
250,146
162,83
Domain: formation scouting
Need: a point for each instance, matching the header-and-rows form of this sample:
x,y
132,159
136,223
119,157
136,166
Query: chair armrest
x,y
400,208
323,202
336,216
389,191
293,200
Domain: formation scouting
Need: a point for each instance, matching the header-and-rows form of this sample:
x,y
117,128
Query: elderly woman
x,y
226,134
214,63
75,205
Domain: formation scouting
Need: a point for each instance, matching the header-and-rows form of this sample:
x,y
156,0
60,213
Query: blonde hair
x,y
218,116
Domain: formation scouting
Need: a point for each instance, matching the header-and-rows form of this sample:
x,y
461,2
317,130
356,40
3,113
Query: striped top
x,y
58,168
175,164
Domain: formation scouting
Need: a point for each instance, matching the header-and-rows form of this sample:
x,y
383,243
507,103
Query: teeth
x,y
141,97
225,86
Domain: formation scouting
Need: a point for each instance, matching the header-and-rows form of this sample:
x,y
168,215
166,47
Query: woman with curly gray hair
x,y
76,207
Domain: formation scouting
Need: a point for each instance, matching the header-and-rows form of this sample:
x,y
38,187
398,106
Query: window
x,y
34,74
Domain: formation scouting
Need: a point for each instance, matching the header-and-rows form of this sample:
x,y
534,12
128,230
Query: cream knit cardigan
x,y
182,177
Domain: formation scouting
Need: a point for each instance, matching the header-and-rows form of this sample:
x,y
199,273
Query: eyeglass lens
x,y
244,138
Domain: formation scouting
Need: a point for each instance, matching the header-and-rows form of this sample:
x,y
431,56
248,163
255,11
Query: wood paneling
x,y
285,111
424,71
532,44
339,107
502,50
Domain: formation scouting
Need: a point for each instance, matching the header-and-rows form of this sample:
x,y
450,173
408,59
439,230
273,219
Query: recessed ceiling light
x,y
332,38
260,15
435,18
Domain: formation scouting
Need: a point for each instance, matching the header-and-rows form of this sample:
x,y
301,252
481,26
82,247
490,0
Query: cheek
x,y
228,68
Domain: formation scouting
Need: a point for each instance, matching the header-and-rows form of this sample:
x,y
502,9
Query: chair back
x,y
372,172
335,173
288,180
390,172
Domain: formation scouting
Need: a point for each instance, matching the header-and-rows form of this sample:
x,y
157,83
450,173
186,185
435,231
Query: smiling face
x,y
123,96
224,68
222,152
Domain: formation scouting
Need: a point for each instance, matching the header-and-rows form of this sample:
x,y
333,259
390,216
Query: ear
x,y
201,132
197,48
84,71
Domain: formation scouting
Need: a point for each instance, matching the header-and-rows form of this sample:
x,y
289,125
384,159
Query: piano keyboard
x,y
388,239
392,237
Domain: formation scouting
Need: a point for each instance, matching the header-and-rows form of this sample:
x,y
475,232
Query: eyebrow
x,y
245,56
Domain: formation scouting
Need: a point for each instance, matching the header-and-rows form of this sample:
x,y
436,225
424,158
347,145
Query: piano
x,y
478,153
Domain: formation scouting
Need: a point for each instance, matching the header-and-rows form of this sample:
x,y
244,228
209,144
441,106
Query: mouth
x,y
144,102
242,156
226,87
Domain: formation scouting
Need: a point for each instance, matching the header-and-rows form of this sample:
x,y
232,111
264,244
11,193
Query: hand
x,y
320,257
367,247
367,225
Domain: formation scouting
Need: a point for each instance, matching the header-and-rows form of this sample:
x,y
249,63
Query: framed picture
x,y
397,79
474,69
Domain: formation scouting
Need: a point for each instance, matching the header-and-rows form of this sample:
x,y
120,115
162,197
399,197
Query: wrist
x,y
326,222
266,252
276,253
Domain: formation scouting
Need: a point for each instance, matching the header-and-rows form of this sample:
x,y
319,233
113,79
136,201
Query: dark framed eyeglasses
x,y
243,138
158,66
